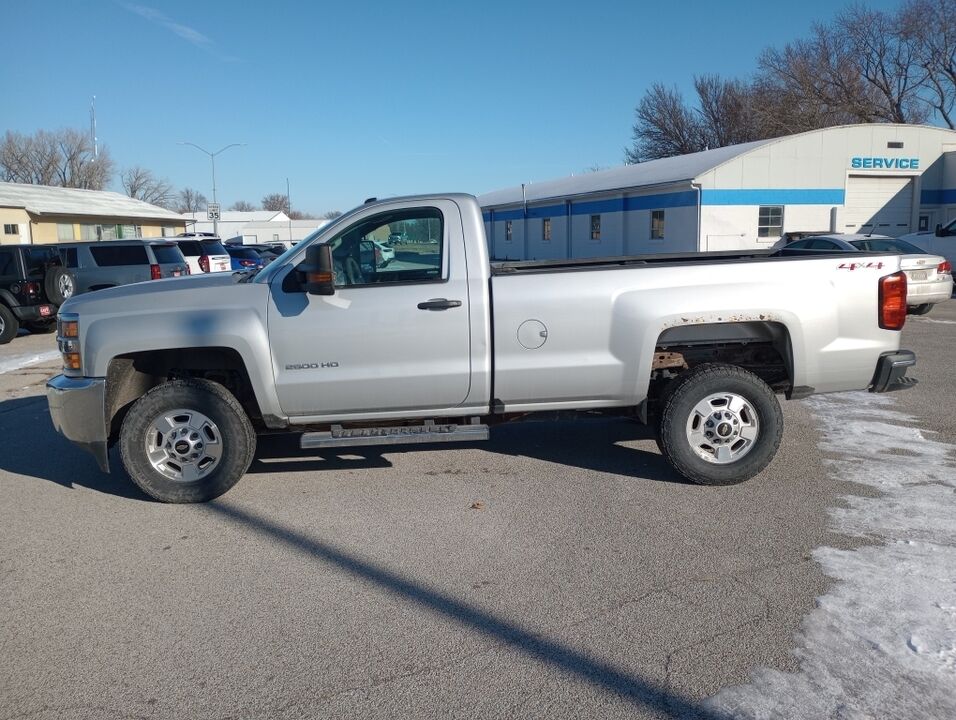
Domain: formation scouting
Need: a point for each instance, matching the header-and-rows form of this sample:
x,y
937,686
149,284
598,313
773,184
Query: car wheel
x,y
9,326
59,284
41,328
920,309
186,441
720,425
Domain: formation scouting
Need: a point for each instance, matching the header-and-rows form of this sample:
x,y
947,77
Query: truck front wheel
x,y
186,441
721,425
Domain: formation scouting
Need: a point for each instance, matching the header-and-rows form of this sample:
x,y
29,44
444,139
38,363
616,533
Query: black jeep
x,y
33,285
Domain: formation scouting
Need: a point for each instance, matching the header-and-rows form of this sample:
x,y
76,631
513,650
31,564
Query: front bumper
x,y
78,411
890,372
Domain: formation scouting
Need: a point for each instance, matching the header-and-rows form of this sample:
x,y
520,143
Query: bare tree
x,y
929,29
191,201
276,202
331,214
664,126
243,206
63,158
878,49
140,183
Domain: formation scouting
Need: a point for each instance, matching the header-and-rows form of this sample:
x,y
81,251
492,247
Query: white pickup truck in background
x,y
437,345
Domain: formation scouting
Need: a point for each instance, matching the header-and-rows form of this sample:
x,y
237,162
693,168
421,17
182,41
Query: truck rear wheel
x,y
186,441
721,425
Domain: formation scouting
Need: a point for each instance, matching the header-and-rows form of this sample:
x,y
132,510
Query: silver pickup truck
x,y
349,344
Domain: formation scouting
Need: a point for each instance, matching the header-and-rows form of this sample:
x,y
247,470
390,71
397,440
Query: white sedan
x,y
929,278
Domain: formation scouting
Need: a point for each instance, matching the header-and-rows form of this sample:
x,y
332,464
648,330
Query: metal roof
x,y
652,172
47,200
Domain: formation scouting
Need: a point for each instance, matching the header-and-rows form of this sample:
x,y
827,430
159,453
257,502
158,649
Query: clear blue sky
x,y
354,99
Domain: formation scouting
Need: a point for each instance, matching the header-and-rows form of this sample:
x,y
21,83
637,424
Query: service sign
x,y
884,163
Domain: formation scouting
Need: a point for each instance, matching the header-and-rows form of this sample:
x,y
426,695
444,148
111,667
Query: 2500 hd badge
x,y
312,366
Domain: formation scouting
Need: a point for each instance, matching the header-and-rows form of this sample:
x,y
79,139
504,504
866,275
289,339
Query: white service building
x,y
888,179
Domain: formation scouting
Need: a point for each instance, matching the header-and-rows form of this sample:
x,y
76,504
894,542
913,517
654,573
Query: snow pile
x,y
882,642
21,361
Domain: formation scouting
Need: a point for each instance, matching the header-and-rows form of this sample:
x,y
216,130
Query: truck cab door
x,y
395,336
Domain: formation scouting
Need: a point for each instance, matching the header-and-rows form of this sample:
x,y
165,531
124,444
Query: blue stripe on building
x,y
780,196
820,196
938,197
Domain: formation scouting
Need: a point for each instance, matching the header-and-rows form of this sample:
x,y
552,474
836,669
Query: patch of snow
x,y
882,642
21,361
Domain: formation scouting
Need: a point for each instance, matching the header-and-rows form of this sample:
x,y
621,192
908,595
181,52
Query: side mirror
x,y
317,270
939,230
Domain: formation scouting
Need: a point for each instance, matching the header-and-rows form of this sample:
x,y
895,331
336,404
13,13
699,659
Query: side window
x,y
657,224
820,244
362,254
8,263
190,248
770,221
107,256
68,257
37,260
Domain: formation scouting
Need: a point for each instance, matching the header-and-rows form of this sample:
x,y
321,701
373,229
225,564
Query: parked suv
x,y
33,284
204,254
99,265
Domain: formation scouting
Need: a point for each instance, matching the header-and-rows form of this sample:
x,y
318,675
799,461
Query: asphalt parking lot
x,y
557,571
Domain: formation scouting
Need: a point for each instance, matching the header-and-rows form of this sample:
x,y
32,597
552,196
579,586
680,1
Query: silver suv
x,y
99,265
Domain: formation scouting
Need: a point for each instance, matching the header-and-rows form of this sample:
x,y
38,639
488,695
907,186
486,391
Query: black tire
x,y
238,440
41,328
9,325
694,387
920,309
60,285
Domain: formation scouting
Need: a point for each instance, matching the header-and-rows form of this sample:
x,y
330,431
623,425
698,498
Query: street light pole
x,y
212,159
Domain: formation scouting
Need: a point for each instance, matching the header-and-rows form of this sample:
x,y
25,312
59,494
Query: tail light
x,y
945,268
204,263
31,289
155,272
248,263
893,301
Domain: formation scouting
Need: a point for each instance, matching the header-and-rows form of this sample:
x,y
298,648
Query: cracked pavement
x,y
560,570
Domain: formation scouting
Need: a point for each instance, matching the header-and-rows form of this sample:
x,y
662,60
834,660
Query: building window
x,y
64,232
657,224
508,231
770,221
168,231
11,229
596,228
546,230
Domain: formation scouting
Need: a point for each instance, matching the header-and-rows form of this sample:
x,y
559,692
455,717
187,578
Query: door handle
x,y
439,304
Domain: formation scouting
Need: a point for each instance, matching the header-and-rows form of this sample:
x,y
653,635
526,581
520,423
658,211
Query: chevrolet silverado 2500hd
x,y
438,345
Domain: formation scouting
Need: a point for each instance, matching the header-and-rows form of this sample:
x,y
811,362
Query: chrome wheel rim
x,y
183,445
66,286
722,428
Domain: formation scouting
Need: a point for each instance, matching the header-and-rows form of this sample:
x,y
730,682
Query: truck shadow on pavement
x,y
588,444
636,690
33,448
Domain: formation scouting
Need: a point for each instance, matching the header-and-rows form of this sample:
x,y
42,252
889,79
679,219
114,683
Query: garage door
x,y
882,205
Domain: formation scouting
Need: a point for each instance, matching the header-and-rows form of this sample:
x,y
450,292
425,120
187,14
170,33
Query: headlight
x,y
68,342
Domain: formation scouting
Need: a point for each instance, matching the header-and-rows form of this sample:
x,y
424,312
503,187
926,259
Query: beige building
x,y
40,214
